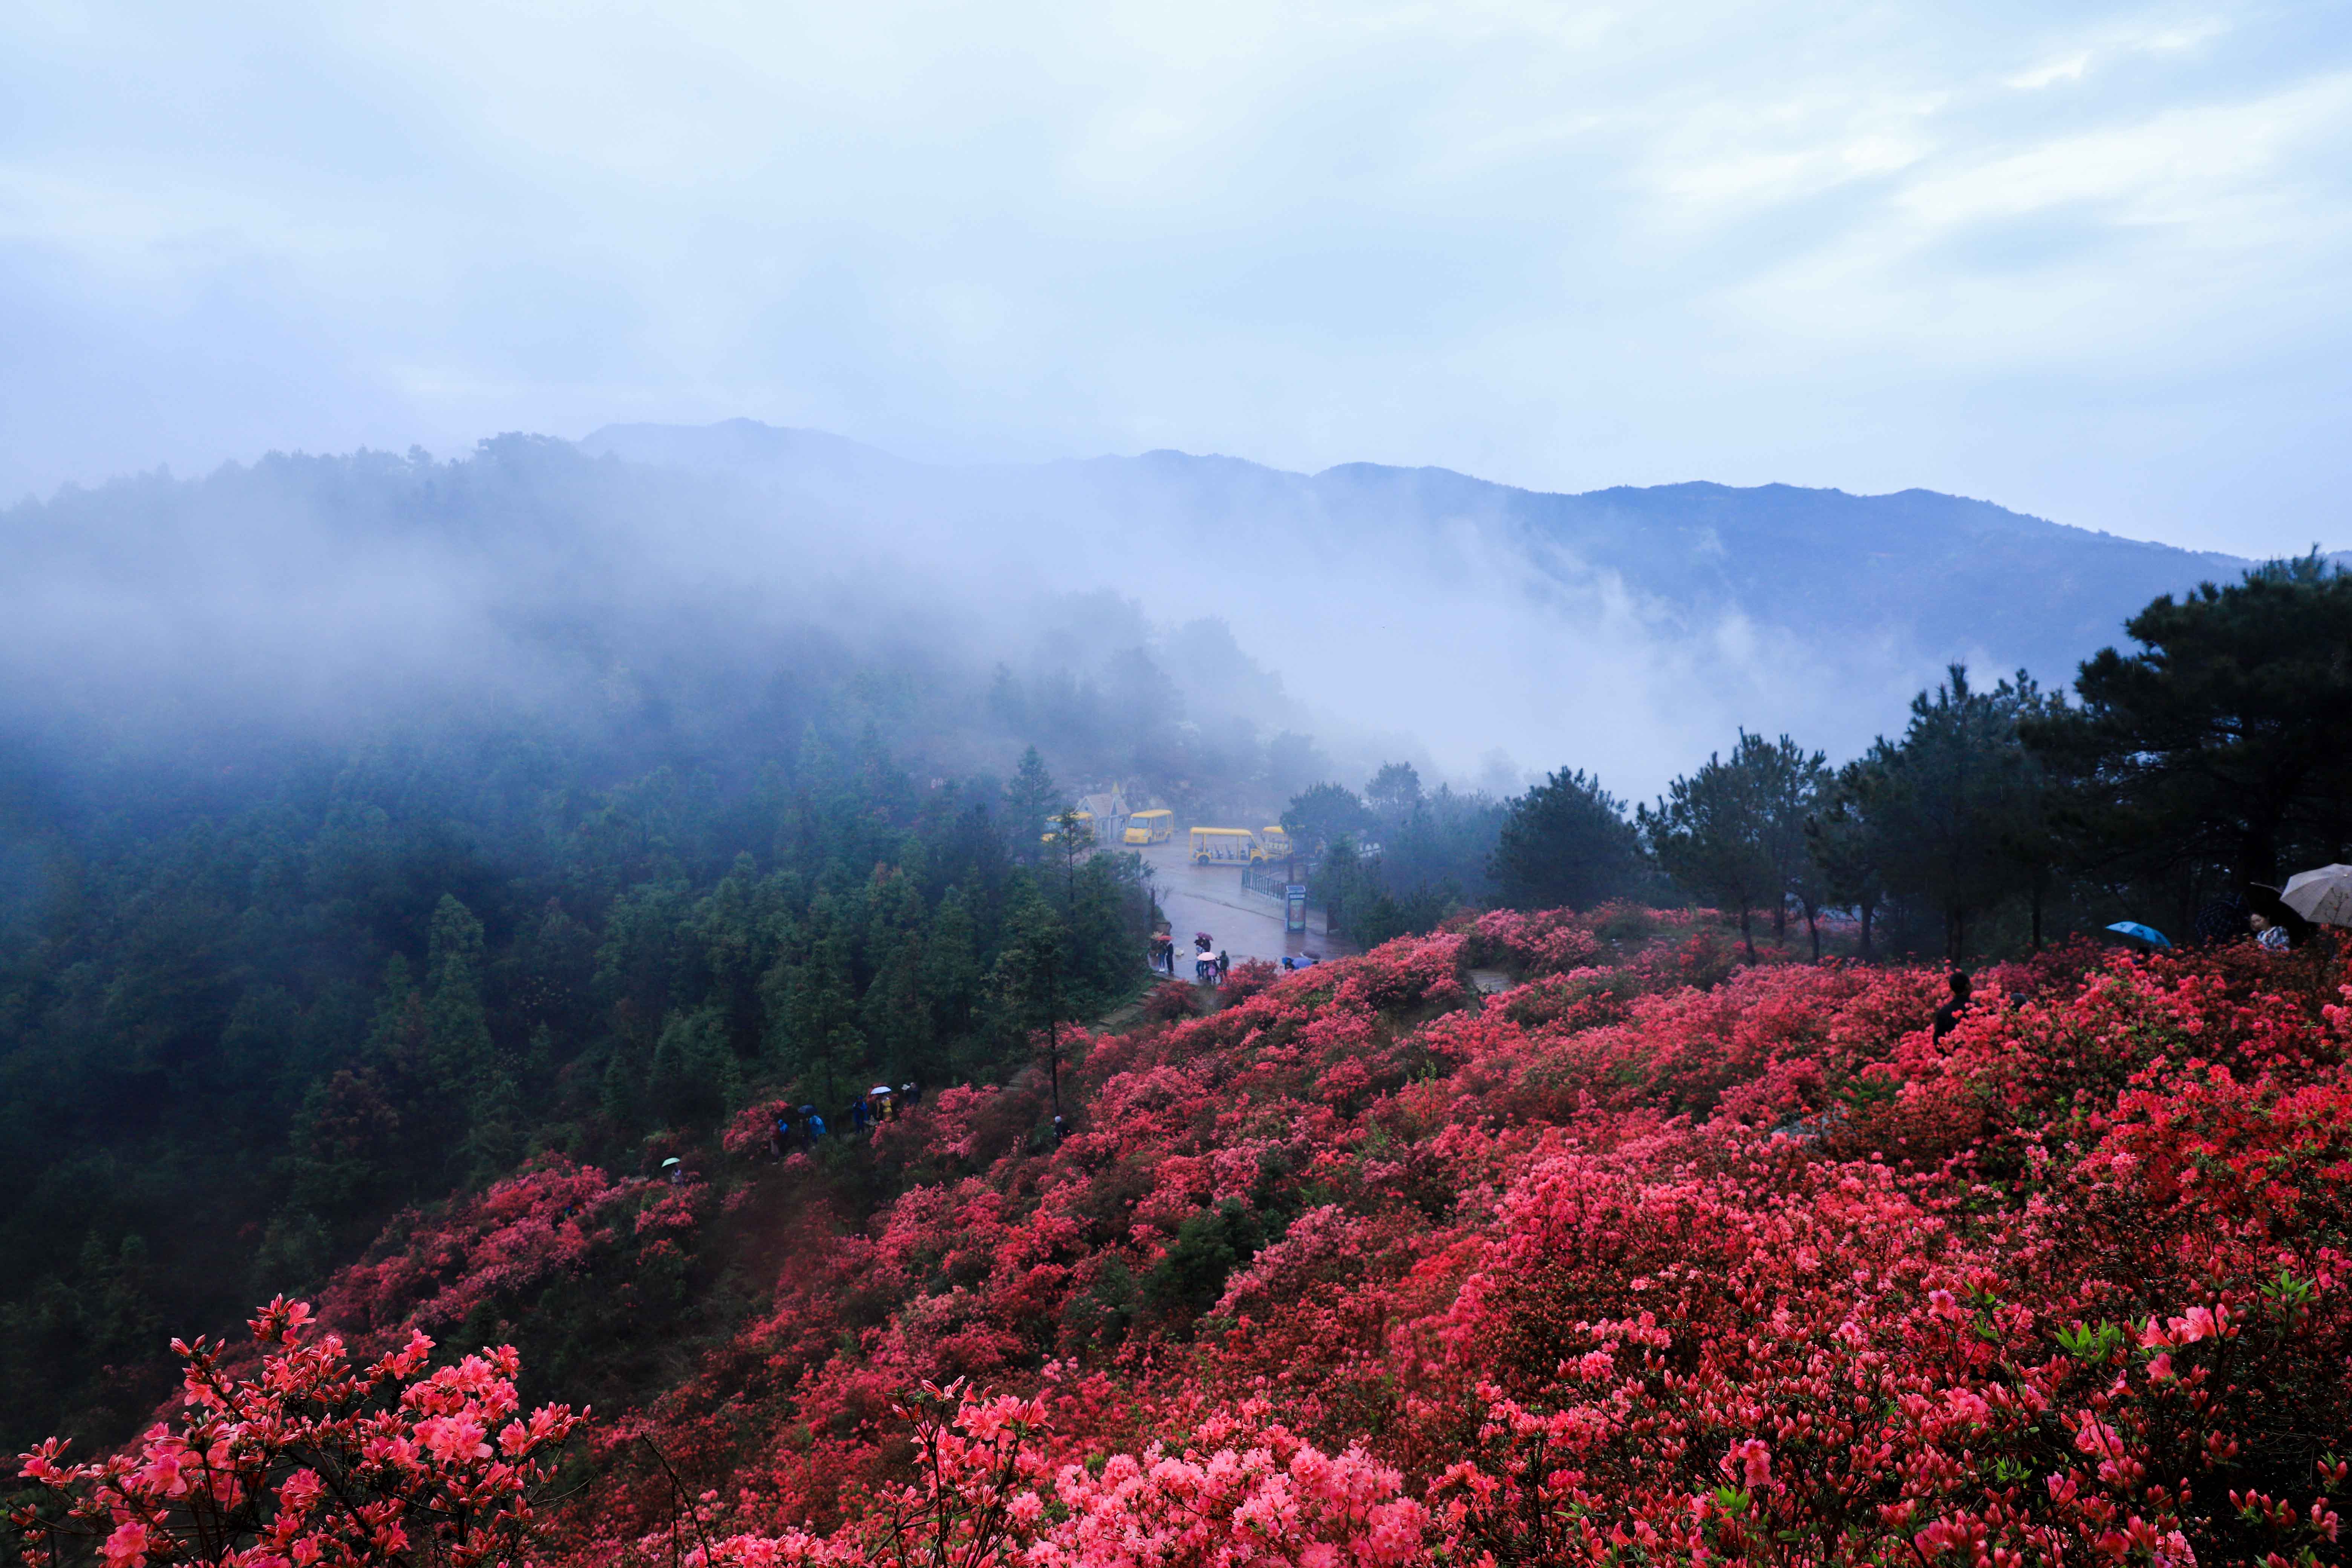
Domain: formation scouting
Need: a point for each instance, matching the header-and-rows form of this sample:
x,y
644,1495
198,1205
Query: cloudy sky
x,y
2092,261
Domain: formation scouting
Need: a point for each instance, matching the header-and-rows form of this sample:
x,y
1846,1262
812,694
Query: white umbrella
x,y
2323,897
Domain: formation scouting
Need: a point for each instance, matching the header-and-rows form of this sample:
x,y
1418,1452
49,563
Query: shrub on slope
x,y
1635,1260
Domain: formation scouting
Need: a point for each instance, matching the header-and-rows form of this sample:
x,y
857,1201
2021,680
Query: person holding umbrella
x,y
2276,923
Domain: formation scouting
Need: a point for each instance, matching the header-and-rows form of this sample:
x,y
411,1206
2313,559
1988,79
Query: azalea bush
x,y
1651,1256
304,1457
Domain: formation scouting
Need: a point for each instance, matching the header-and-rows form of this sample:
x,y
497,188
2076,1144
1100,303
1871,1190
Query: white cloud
x,y
1563,245
2069,68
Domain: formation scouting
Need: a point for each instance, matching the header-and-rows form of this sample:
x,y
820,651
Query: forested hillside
x,y
232,1046
370,823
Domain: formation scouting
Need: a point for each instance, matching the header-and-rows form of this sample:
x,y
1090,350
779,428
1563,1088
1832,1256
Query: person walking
x,y
1225,966
1947,1016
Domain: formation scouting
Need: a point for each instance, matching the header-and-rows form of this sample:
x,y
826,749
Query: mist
x,y
1490,633
693,592
645,615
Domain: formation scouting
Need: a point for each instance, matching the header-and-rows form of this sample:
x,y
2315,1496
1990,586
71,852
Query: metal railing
x,y
1266,881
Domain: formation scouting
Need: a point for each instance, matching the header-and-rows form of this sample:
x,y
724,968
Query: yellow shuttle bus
x,y
1150,827
1223,847
1082,823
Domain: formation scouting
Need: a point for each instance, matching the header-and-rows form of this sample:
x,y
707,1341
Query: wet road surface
x,y
1209,898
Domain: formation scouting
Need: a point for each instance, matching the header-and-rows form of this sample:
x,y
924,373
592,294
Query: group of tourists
x,y
2275,925
1211,963
2264,913
804,1128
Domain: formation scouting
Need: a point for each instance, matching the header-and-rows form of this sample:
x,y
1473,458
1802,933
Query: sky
x,y
2086,262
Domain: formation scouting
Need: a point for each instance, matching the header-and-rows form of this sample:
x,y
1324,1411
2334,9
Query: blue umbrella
x,y
2139,935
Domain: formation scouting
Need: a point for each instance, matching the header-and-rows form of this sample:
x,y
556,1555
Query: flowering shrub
x,y
310,1460
1247,1491
1650,1257
488,1252
1248,978
1170,1000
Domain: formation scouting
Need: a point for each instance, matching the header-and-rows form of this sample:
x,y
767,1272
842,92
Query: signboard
x,y
1294,906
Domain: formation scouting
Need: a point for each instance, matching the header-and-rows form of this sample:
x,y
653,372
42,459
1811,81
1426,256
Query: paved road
x,y
1209,898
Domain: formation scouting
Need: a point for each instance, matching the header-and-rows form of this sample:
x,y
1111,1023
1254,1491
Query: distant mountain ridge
x,y
1916,578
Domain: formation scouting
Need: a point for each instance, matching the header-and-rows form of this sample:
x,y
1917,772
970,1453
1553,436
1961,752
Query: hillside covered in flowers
x,y
1642,1257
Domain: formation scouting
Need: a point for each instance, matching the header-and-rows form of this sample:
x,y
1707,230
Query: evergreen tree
x,y
1032,978
952,974
1789,782
733,933
1394,792
894,1016
1029,800
2225,740
693,1078
1715,831
1951,808
1318,817
814,1001
1566,843
1843,845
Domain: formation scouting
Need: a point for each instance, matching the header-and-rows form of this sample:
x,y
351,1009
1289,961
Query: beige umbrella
x,y
2323,897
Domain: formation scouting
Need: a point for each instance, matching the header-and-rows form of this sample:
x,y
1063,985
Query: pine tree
x,y
1566,842
1029,800
952,974
1713,832
693,1078
1952,808
2225,740
1844,844
1033,976
1394,792
458,1053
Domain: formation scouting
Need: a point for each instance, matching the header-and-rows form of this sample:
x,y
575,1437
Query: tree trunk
x,y
1780,920
1868,912
1746,936
1813,929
